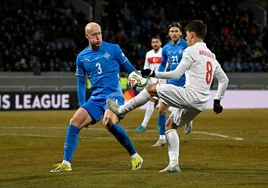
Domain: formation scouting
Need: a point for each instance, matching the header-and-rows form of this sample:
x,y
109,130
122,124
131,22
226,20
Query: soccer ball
x,y
137,82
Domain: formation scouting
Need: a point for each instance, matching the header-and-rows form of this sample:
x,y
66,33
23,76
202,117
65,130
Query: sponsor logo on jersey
x,y
106,55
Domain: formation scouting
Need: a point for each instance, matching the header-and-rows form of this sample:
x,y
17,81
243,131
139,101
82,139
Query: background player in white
x,y
200,66
153,59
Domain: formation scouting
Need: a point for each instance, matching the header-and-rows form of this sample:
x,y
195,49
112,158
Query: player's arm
x,y
81,82
163,64
146,62
123,60
222,86
175,74
222,82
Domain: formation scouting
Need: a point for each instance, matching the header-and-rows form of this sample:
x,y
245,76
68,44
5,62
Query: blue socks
x,y
71,142
161,124
123,138
72,134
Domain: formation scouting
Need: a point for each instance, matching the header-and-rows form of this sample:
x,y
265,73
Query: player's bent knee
x,y
75,122
109,119
81,118
163,108
107,122
170,124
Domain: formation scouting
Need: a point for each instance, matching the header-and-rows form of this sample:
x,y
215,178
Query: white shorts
x,y
182,117
177,97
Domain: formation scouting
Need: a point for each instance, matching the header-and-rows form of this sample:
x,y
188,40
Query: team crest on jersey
x,y
180,51
106,55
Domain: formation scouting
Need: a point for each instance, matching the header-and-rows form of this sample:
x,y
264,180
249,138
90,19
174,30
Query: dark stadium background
x,y
39,41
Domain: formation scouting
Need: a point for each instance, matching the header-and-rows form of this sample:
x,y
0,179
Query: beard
x,y
95,46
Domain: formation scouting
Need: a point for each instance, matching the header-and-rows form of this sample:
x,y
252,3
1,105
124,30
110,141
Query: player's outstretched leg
x,y
188,127
113,106
122,137
133,103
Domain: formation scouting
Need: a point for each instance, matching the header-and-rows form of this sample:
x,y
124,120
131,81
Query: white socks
x,y
170,109
134,155
148,113
162,137
66,163
173,147
135,102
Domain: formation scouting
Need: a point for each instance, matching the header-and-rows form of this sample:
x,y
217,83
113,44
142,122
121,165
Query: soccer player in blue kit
x,y
172,54
101,62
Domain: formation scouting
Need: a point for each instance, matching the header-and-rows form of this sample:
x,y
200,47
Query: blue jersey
x,y
102,67
173,54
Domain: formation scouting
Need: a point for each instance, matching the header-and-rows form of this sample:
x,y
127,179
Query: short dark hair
x,y
198,27
156,37
175,24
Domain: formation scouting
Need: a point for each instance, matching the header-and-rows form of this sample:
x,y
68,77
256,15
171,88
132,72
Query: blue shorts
x,y
97,107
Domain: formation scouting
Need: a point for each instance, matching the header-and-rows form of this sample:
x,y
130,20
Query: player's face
x,y
156,44
94,37
189,38
175,34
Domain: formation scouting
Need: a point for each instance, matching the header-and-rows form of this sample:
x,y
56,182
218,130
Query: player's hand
x,y
146,73
217,107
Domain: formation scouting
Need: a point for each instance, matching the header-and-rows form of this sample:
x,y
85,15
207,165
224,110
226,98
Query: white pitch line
x,y
128,130
33,127
219,135
97,138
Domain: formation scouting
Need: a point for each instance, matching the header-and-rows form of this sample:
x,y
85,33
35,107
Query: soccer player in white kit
x,y
200,66
153,58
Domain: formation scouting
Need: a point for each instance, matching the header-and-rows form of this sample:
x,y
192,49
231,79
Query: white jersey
x,y
200,66
153,60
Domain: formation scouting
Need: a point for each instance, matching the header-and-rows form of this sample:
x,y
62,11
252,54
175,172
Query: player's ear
x,y
86,35
192,35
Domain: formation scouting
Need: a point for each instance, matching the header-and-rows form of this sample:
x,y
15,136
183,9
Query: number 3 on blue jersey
x,y
99,68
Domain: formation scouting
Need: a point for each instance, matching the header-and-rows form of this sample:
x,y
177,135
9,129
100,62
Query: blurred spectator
x,y
46,35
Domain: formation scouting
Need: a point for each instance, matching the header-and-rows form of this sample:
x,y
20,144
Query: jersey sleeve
x,y
222,82
119,55
175,74
80,71
146,63
123,60
184,65
163,63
